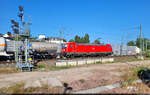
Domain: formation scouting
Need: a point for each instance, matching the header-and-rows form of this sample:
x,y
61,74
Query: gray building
x,y
125,50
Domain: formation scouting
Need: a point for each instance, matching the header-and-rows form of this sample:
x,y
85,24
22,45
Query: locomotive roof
x,y
88,44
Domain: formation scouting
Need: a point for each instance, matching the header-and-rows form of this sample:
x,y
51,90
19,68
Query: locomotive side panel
x,y
85,49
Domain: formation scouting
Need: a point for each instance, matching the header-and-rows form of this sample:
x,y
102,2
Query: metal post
x,y
146,45
147,41
60,35
26,52
60,46
16,47
141,41
121,46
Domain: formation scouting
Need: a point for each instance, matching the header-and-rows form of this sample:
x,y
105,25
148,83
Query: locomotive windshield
x,y
64,46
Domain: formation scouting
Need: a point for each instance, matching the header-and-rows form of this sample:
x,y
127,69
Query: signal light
x,y
21,8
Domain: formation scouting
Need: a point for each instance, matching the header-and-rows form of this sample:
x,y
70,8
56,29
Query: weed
x,y
148,54
19,89
98,62
82,80
41,66
8,70
62,67
132,75
127,60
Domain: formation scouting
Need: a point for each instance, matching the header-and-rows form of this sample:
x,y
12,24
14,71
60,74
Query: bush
x,y
133,74
147,54
8,70
41,66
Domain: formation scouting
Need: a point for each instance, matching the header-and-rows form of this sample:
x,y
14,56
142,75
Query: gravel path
x,y
79,78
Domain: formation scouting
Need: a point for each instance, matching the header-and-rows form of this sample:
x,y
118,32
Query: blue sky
x,y
105,19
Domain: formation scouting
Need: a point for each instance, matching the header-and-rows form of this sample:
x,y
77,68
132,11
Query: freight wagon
x,y
36,49
82,49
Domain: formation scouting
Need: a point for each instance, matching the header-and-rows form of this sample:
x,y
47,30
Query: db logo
x,y
93,48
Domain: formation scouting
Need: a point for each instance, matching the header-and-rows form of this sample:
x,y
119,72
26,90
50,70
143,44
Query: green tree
x,y
64,40
97,42
137,43
1,35
143,40
82,40
33,38
131,43
86,38
71,40
77,39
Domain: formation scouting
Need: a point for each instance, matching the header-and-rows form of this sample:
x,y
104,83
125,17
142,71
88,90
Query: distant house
x,y
54,40
41,37
125,50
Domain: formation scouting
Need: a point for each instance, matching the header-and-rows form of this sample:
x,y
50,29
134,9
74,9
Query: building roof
x,y
49,38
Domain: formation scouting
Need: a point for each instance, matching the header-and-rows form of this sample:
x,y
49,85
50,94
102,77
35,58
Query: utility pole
x,y
60,31
141,41
146,45
121,46
147,41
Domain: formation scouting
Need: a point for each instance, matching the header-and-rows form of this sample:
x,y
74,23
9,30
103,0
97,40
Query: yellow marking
x,y
30,59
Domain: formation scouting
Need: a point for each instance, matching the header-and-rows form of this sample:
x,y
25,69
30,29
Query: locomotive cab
x,y
82,49
68,48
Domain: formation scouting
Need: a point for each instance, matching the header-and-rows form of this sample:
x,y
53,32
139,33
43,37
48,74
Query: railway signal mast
x,y
23,63
15,28
141,57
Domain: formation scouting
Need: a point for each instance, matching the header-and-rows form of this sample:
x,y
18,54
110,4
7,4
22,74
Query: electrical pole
x,y
146,45
141,41
121,46
147,41
60,33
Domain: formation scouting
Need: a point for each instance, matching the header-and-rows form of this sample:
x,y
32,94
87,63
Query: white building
x,y
55,40
41,36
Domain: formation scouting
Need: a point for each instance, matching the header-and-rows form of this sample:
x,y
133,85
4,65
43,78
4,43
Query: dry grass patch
x,y
9,70
19,89
132,74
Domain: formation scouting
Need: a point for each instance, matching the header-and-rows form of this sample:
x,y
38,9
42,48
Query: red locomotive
x,y
82,49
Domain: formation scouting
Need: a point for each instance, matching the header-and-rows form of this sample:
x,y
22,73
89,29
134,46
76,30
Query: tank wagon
x,y
3,47
36,49
46,49
82,49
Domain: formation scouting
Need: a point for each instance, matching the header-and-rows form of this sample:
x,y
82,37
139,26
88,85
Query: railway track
x,y
75,58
